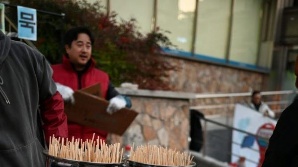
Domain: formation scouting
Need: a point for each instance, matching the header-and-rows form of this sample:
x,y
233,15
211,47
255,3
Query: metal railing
x,y
276,100
219,139
213,143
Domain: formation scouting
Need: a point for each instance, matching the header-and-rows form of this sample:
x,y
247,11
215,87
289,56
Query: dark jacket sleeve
x,y
51,103
112,92
283,144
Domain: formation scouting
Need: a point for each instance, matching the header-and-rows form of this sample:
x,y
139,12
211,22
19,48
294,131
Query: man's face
x,y
80,51
256,99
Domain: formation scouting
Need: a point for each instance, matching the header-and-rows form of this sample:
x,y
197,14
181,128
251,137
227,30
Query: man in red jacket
x,y
78,71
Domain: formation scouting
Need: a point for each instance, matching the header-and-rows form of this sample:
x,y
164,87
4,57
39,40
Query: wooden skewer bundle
x,y
157,155
88,151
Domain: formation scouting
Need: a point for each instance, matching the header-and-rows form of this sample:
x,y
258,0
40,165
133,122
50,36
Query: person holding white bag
x,y
78,71
258,105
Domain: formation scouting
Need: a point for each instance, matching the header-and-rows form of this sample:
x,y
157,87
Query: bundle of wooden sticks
x,y
88,151
157,155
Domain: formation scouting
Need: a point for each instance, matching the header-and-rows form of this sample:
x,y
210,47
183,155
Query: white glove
x,y
116,103
66,92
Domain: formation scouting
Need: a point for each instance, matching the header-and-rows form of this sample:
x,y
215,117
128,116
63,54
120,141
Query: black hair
x,y
72,34
255,92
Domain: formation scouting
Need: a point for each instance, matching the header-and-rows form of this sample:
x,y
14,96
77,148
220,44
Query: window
x,y
246,31
142,11
102,3
177,17
213,28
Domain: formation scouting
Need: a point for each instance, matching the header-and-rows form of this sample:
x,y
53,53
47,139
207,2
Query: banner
x,y
248,146
2,17
27,23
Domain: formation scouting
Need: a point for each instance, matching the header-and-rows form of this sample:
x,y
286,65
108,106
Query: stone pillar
x,y
163,119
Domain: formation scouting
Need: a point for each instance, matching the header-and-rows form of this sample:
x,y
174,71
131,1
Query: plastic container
x,y
126,154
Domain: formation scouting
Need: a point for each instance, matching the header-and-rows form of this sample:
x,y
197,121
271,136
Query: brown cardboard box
x,y
90,110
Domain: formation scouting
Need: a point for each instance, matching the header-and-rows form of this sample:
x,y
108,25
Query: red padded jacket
x,y
66,75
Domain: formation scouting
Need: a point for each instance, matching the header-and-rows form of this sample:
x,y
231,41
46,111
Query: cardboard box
x,y
90,110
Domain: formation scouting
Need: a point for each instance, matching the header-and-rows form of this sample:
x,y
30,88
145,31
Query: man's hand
x,y
116,103
66,92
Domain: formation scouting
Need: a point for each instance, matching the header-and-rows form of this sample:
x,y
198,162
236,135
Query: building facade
x,y
240,35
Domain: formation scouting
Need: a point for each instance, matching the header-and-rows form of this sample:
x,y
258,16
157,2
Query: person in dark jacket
x,y
78,71
282,150
196,130
30,105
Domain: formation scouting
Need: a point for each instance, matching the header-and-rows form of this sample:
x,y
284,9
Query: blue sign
x,y
27,23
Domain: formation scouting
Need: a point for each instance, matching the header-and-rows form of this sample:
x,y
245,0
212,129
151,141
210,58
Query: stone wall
x,y
200,77
206,78
164,115
163,119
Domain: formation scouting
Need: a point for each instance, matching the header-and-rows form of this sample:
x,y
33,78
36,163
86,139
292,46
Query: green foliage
x,y
119,48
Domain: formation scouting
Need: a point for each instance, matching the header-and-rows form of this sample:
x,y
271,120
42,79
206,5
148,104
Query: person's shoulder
x,y
29,49
295,102
249,105
20,44
24,50
264,104
291,109
101,72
